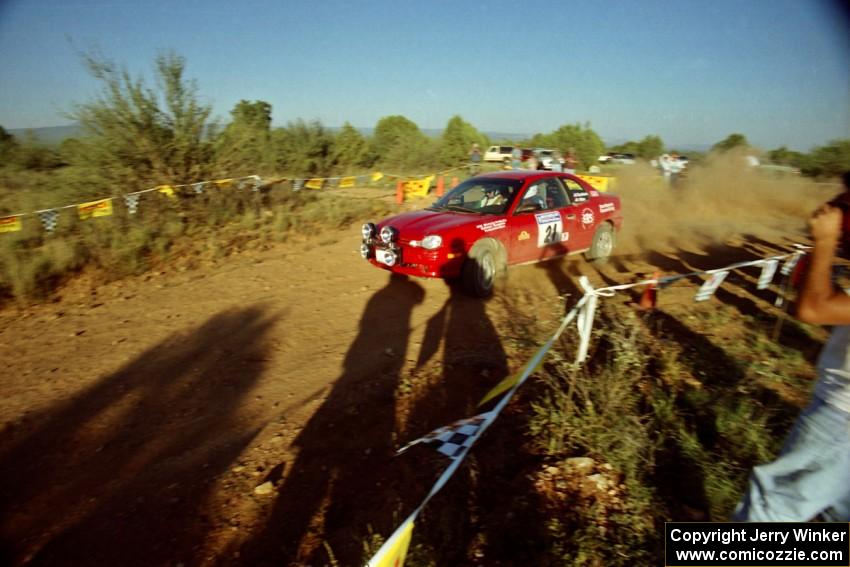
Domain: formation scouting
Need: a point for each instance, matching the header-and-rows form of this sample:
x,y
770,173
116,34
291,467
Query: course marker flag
x,y
710,285
94,209
167,190
768,269
347,182
598,182
132,202
377,176
315,183
791,263
418,187
10,224
49,218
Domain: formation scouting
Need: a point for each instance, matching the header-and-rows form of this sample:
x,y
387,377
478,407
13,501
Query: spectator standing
x,y
811,476
570,161
516,157
474,160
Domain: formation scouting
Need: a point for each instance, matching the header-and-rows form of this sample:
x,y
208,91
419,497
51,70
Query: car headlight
x,y
388,234
368,230
432,242
364,251
390,258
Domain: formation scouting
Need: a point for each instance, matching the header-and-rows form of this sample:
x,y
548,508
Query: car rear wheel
x,y
603,244
483,267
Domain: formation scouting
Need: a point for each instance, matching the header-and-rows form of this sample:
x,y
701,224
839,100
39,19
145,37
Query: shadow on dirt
x,y
474,360
338,484
134,492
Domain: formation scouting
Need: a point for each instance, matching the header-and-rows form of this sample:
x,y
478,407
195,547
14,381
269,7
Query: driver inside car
x,y
492,197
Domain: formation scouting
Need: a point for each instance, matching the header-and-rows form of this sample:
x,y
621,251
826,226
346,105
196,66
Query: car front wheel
x,y
484,265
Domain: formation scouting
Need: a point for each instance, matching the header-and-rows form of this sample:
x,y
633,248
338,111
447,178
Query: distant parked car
x,y
547,158
617,157
625,159
500,154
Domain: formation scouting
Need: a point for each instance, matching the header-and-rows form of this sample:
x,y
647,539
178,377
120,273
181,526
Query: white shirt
x,y
833,385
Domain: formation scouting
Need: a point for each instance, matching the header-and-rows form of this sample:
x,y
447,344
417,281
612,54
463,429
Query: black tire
x,y
602,245
484,266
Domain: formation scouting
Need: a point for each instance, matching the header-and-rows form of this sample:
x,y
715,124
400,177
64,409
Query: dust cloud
x,y
720,199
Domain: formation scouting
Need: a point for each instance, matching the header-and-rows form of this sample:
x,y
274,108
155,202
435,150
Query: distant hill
x,y
49,136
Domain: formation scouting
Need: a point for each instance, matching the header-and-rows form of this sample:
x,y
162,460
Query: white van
x,y
499,153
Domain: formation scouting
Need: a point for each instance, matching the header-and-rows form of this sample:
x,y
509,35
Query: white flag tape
x,y
710,286
767,271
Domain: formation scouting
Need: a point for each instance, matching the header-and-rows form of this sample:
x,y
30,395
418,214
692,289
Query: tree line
x,y
136,136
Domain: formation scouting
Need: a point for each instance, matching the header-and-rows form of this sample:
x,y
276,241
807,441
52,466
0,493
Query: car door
x,y
581,215
541,224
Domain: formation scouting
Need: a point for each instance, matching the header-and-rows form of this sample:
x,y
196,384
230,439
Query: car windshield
x,y
486,196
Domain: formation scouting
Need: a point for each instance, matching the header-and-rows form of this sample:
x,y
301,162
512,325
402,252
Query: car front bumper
x,y
415,261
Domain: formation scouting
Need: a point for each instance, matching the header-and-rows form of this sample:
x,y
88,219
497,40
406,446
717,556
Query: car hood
x,y
418,224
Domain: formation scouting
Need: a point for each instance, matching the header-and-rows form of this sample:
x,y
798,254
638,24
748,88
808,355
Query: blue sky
x,y
692,72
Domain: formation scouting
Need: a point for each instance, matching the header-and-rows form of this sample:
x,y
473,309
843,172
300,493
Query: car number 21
x,y
550,227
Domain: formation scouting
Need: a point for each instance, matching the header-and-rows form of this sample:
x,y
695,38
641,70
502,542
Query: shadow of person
x,y
333,488
121,473
473,361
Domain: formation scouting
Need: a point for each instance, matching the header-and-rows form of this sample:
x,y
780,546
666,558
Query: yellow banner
x,y
94,209
346,182
315,183
418,187
377,176
394,551
600,183
10,224
223,183
166,190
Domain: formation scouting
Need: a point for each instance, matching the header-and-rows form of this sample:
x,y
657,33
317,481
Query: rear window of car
x,y
506,149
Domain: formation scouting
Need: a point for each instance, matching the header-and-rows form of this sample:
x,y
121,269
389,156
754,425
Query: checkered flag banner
x,y
49,218
297,184
198,188
454,440
132,202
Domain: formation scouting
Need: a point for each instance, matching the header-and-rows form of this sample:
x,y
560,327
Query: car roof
x,y
522,174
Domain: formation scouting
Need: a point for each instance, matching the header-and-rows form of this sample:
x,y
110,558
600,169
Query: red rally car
x,y
494,220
